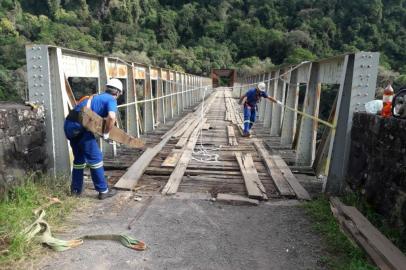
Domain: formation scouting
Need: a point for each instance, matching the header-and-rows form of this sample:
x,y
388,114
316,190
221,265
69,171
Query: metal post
x,y
148,105
289,121
306,148
267,110
357,87
132,110
270,106
160,102
276,109
265,103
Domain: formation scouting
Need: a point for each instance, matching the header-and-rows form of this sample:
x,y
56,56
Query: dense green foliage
x,y
199,35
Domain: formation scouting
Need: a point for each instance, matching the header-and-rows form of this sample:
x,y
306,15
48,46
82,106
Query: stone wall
x,y
22,143
377,166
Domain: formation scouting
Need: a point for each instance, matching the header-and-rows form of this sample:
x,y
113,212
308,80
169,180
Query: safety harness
x,y
40,231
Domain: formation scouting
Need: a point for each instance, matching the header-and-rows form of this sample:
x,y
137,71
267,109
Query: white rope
x,y
205,154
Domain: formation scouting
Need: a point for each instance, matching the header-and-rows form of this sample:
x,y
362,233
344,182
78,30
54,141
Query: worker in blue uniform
x,y
250,100
83,142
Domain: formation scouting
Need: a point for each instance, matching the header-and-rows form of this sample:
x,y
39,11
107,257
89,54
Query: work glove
x,y
279,103
106,136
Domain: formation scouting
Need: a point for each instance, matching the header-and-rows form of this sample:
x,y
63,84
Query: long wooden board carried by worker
x,y
94,123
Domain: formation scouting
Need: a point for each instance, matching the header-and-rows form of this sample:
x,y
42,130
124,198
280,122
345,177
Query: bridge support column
x,y
357,87
306,148
149,118
289,120
132,117
269,106
277,113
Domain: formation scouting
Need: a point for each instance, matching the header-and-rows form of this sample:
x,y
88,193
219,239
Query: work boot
x,y
246,135
75,193
106,195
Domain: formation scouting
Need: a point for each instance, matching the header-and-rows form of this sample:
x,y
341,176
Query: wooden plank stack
x,y
255,189
281,174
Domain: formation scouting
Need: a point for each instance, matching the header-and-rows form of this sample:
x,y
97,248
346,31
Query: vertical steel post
x,y
132,114
306,148
149,118
357,87
289,121
276,109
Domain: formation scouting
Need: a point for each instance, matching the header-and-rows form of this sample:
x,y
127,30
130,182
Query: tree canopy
x,y
199,35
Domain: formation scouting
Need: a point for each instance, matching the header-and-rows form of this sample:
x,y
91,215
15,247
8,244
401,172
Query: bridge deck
x,y
223,176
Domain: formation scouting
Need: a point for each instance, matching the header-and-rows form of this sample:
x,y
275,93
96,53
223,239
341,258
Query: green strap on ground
x,y
40,231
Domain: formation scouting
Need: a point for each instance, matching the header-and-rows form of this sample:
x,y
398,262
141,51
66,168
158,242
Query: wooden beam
x,y
183,140
254,187
235,199
300,192
232,140
277,177
175,179
94,123
382,251
172,159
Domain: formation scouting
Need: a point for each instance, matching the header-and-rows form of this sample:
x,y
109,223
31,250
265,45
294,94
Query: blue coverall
x,y
84,145
250,105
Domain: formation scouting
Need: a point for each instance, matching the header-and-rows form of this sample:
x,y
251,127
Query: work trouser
x,y
85,151
249,117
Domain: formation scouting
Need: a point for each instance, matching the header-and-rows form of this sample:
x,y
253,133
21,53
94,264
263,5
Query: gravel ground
x,y
188,233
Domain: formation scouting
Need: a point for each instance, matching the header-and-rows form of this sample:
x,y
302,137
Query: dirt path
x,y
186,233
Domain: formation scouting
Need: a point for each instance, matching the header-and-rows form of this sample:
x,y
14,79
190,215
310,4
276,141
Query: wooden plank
x,y
232,140
382,251
172,159
175,179
183,140
206,126
276,175
130,179
69,92
94,123
250,176
235,199
300,192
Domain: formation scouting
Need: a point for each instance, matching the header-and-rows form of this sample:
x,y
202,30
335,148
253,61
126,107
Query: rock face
x,y
377,166
22,143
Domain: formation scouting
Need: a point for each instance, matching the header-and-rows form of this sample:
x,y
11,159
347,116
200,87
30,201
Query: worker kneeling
x,y
84,145
250,100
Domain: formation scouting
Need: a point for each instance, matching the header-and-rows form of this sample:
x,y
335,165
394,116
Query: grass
x,y
343,254
16,213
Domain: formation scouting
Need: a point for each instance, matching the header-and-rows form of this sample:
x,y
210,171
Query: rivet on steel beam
x,y
33,48
362,66
358,103
369,66
368,75
42,94
35,84
365,94
366,85
36,94
359,85
34,76
39,57
34,66
370,56
41,76
40,67
33,57
41,85
39,48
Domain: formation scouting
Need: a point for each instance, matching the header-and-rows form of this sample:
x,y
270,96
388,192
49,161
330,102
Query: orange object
x,y
387,101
